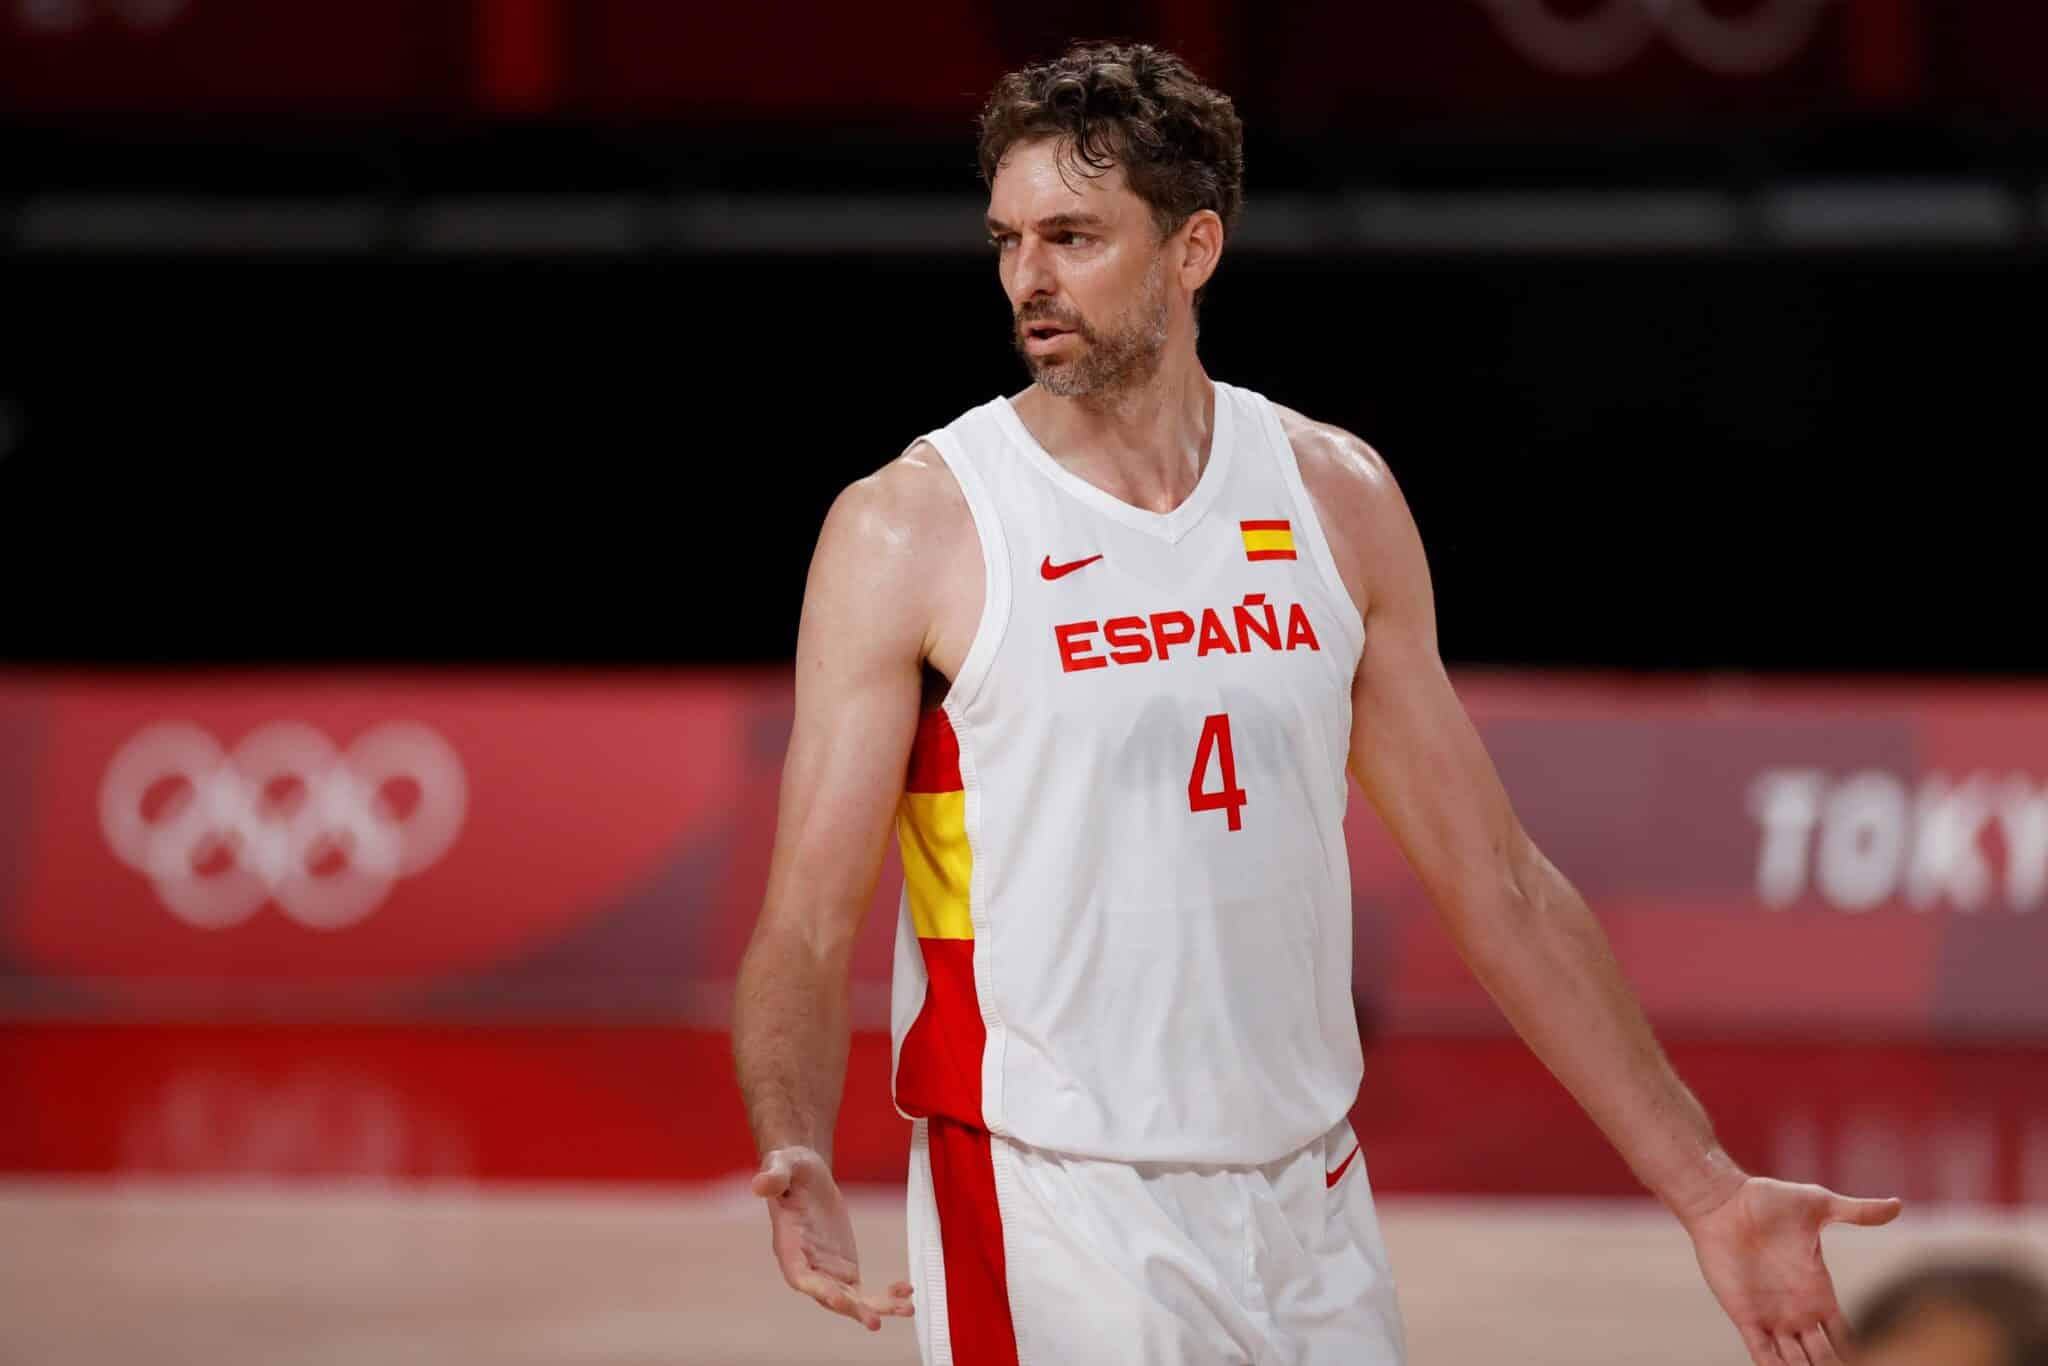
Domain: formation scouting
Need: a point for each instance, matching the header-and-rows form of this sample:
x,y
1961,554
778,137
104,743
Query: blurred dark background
x,y
521,330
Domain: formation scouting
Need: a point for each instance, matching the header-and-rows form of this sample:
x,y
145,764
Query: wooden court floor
x,y
114,1274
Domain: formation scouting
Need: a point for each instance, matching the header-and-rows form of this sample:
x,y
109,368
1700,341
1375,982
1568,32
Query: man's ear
x,y
1202,248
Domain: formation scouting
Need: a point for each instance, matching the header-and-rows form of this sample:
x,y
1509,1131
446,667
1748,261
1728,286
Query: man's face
x,y
1082,265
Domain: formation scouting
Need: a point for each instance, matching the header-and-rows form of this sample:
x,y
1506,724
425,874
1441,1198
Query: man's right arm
x,y
866,628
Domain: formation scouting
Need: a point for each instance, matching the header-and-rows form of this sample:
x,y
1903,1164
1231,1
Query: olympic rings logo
x,y
284,818
1610,37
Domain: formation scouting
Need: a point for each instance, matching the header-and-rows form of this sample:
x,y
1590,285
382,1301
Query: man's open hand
x,y
813,1237
1760,1250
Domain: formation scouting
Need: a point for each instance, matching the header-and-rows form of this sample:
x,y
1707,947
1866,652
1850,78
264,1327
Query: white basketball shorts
x,y
1021,1257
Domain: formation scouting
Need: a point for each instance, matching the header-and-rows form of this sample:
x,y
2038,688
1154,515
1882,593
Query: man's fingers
x,y
895,1303
774,1178
831,1263
1819,1350
855,1303
1790,1352
1868,1213
898,1304
823,1289
1762,1351
839,1298
795,1265
1838,1331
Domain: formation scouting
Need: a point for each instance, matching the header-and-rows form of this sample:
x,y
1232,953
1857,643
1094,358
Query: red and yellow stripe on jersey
x,y
1271,540
938,1069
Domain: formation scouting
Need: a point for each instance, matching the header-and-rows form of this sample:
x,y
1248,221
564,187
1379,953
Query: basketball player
x,y
1104,653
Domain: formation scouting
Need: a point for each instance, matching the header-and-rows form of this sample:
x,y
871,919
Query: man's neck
x,y
1147,445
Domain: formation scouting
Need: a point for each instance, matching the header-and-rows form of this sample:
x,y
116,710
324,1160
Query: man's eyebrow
x,y
1052,223
1071,220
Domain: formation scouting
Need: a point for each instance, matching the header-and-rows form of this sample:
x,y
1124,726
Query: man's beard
x,y
1118,357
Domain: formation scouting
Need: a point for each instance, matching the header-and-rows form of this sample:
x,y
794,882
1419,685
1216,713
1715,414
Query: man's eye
x,y
1001,241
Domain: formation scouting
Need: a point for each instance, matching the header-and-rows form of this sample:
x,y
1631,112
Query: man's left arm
x,y
1530,939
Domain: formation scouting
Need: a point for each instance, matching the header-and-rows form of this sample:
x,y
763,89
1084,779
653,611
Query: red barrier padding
x,y
1783,858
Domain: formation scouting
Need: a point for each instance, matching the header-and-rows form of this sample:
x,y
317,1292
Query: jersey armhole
x,y
995,570
1318,545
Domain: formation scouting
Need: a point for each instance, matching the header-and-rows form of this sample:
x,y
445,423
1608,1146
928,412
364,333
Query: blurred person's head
x,y
1113,174
1957,1314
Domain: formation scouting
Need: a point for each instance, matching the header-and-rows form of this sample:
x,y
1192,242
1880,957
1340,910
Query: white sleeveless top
x,y
1126,920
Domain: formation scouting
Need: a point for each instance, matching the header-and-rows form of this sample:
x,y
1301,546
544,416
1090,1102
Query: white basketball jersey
x,y
1126,921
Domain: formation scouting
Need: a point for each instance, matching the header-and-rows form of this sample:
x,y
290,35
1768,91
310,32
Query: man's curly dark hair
x,y
2009,1296
1131,105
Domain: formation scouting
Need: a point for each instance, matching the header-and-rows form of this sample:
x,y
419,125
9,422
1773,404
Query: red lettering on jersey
x,y
1140,640
1214,637
1299,632
1127,638
1249,625
1075,647
1163,641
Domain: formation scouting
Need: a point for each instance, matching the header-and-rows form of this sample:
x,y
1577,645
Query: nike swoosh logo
x,y
1330,1179
1052,571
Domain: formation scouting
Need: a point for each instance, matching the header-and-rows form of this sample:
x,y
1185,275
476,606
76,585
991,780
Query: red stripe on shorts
x,y
971,1238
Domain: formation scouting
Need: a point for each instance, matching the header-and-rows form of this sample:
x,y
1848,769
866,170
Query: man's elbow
x,y
815,937
1500,891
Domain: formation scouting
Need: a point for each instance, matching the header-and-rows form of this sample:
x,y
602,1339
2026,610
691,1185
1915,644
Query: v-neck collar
x,y
1167,526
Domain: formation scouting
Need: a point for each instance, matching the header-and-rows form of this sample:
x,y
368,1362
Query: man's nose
x,y
1030,273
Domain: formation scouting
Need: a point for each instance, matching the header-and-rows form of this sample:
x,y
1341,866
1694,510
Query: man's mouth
x,y
1044,336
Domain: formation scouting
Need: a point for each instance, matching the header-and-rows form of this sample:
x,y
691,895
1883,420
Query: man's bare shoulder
x,y
911,498
1339,468
1363,515
899,555
907,518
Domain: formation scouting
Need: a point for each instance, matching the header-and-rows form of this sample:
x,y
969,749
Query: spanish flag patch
x,y
1267,540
